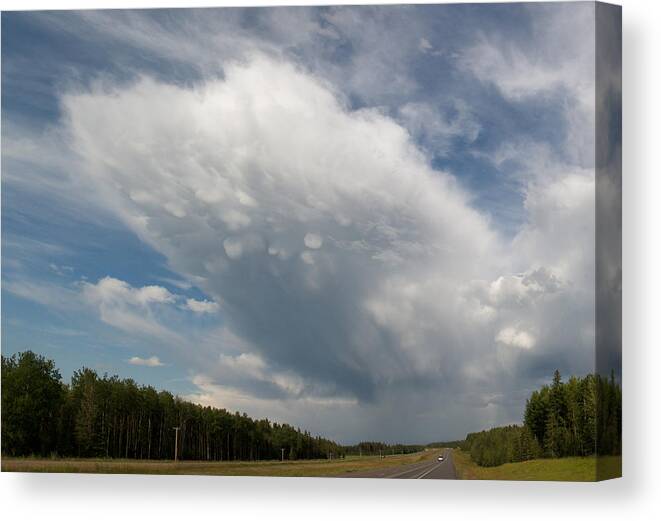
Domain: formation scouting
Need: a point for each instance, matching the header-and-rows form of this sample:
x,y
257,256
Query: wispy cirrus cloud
x,y
54,296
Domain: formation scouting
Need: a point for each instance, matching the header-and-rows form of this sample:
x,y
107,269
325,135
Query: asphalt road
x,y
431,469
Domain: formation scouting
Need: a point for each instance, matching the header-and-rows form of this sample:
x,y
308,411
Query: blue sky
x,y
319,215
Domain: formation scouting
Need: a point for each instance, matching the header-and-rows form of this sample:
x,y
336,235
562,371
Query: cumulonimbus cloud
x,y
339,255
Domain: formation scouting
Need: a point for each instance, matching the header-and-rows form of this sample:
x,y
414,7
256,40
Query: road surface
x,y
430,469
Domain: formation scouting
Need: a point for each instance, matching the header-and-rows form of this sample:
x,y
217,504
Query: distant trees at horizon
x,y
378,448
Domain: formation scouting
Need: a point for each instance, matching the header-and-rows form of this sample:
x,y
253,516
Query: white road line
x,y
402,473
430,470
445,458
409,471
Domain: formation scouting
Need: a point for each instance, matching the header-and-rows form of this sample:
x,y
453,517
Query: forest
x,y
580,417
108,417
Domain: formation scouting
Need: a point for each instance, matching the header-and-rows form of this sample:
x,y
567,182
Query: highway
x,y
430,469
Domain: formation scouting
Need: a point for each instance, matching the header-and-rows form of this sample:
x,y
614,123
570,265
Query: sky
x,y
370,222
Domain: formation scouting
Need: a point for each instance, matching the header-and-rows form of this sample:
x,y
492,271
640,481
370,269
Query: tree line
x,y
580,417
378,448
456,444
108,417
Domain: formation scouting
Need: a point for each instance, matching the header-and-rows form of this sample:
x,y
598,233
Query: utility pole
x,y
282,450
176,442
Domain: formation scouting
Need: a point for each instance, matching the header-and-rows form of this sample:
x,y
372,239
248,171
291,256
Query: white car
x,y
441,458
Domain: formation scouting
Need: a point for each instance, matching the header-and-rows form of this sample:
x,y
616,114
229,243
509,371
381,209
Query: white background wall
x,y
636,496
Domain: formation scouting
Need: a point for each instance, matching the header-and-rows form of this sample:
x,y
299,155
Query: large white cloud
x,y
269,160
349,269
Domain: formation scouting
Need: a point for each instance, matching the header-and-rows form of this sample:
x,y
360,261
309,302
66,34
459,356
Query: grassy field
x,y
562,469
310,468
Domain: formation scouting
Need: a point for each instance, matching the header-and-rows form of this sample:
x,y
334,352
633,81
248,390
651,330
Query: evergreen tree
x,y
110,417
32,396
580,417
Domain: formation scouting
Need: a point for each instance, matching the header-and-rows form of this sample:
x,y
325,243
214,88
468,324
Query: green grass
x,y
563,469
303,468
560,469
